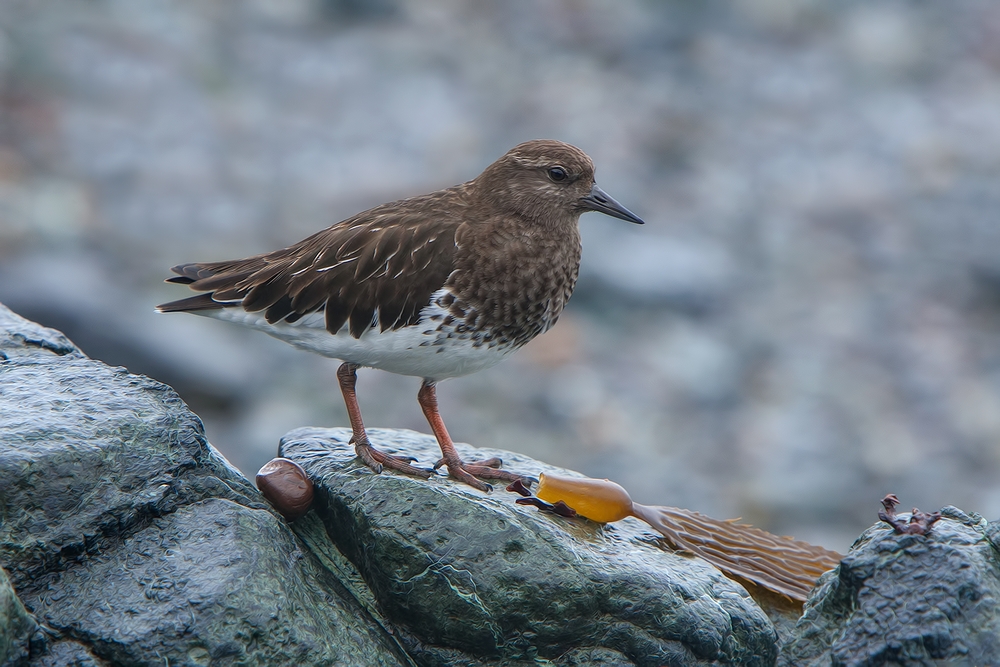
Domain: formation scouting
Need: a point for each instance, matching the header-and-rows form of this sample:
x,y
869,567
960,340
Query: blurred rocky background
x,y
809,320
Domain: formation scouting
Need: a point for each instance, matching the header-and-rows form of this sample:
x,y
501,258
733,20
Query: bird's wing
x,y
378,267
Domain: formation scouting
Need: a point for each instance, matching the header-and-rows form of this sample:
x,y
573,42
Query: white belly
x,y
421,350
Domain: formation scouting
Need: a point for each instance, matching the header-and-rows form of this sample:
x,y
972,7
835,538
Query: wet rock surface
x,y
127,539
473,578
907,600
16,627
130,540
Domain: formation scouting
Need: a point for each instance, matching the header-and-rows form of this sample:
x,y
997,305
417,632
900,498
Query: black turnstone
x,y
435,286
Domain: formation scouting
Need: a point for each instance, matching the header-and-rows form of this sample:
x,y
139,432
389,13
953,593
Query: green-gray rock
x,y
474,579
907,600
132,541
16,627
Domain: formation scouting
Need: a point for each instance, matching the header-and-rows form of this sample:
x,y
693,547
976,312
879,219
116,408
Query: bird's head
x,y
547,181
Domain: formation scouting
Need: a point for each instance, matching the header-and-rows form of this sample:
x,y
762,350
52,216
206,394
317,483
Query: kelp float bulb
x,y
285,485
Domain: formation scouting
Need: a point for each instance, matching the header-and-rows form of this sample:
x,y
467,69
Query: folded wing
x,y
378,268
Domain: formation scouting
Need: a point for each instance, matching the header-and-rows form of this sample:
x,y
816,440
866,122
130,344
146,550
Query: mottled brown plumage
x,y
437,286
390,258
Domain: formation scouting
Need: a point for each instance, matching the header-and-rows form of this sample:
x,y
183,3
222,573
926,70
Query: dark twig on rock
x,y
560,508
919,523
518,487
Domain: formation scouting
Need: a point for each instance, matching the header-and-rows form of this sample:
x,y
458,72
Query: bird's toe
x,y
378,461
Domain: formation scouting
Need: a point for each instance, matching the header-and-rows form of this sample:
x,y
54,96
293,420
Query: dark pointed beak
x,y
599,200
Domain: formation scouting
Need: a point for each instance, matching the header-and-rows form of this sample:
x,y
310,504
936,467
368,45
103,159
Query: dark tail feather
x,y
193,270
202,270
216,277
199,302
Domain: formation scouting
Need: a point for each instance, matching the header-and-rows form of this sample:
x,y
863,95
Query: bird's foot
x,y
377,460
473,472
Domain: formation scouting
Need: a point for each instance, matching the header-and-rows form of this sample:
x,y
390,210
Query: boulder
x,y
130,540
903,599
474,579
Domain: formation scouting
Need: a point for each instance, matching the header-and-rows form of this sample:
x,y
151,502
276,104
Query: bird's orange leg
x,y
348,377
464,472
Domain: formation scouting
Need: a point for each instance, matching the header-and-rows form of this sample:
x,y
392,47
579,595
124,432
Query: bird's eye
x,y
557,174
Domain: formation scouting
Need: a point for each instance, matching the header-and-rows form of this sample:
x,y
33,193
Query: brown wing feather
x,y
379,267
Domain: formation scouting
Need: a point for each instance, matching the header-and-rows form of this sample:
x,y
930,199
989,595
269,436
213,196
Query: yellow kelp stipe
x,y
782,565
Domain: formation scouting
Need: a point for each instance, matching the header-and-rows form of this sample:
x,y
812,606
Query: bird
x,y
435,286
